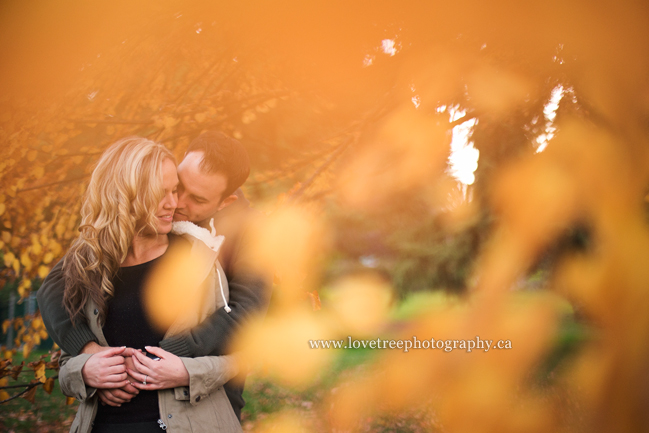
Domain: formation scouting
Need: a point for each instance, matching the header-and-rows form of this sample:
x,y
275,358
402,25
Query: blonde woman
x,y
124,235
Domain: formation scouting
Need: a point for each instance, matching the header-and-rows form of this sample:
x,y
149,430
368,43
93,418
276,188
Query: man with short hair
x,y
213,169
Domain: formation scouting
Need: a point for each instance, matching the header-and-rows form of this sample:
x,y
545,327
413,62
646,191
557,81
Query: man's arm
x,y
249,295
212,336
70,337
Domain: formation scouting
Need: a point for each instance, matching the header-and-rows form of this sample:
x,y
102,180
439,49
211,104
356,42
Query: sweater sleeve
x,y
249,295
70,337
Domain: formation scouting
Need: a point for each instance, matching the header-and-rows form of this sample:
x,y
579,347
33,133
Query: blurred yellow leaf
x,y
48,257
59,230
284,422
9,257
26,261
281,343
3,207
3,394
27,349
287,243
69,401
72,222
38,172
48,386
31,155
248,117
16,265
39,371
43,271
5,325
37,323
169,122
37,248
30,396
362,303
200,117
15,371
173,292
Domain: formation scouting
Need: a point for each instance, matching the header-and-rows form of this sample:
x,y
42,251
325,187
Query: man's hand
x,y
106,369
167,372
116,397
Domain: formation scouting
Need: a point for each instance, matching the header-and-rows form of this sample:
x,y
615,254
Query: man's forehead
x,y
198,181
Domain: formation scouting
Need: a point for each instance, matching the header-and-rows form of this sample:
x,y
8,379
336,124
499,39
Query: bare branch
x,y
27,388
113,121
47,185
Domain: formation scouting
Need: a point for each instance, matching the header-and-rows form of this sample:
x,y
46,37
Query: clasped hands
x,y
120,373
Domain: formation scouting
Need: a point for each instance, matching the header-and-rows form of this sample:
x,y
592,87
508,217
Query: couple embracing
x,y
129,373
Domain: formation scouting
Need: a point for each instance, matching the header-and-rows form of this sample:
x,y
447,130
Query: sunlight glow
x,y
387,45
463,161
416,99
550,113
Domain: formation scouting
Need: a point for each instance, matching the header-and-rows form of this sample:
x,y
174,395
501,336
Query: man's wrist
x,y
92,347
77,338
177,345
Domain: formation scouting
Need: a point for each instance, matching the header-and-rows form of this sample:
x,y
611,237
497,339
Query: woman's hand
x,y
167,372
105,369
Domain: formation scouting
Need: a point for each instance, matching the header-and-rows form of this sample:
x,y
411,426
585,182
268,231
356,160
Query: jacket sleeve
x,y
71,377
207,374
70,337
249,295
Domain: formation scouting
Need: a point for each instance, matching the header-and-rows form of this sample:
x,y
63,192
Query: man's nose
x,y
180,202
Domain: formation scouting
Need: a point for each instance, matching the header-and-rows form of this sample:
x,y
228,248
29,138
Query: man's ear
x,y
228,201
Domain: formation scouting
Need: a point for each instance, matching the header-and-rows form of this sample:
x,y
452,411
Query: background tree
x,y
348,112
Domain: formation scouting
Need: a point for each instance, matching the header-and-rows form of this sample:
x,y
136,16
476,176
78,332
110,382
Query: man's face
x,y
200,194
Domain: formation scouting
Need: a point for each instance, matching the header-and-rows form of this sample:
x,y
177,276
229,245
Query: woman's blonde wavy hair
x,y
121,201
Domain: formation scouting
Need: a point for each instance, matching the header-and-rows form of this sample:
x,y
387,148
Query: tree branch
x,y
334,155
113,121
28,387
53,183
463,119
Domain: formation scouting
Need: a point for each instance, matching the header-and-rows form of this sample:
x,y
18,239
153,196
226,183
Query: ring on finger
x,y
144,382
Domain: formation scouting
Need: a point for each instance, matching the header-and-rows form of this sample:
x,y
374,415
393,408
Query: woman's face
x,y
167,205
